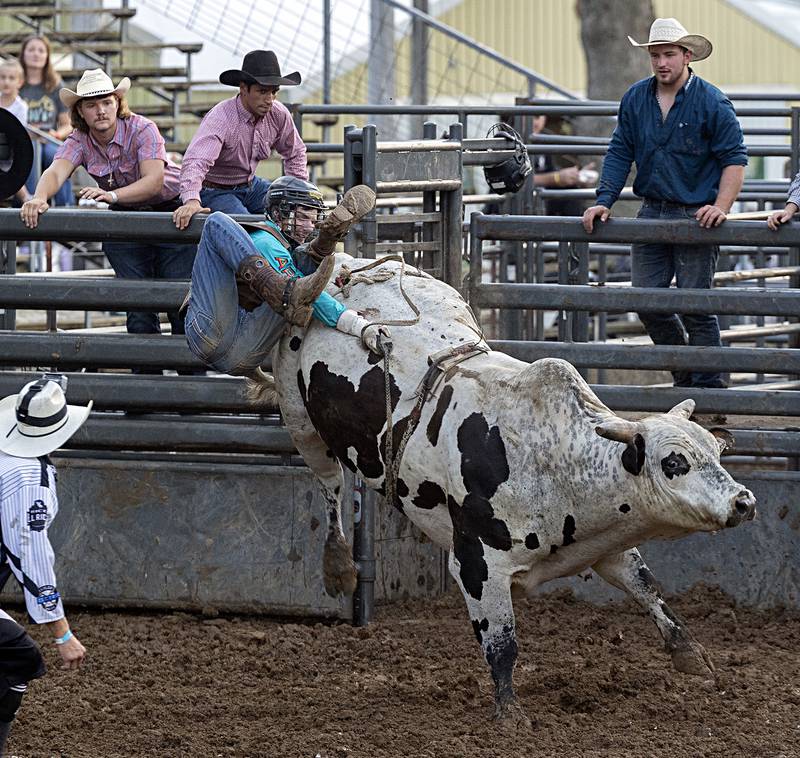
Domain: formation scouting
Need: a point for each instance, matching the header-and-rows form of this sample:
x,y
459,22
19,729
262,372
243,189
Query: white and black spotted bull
x,y
517,469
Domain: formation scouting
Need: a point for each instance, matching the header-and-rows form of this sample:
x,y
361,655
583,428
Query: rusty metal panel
x,y
407,563
418,167
226,537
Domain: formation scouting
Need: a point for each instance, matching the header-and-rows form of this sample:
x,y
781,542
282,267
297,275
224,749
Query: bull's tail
x,y
260,388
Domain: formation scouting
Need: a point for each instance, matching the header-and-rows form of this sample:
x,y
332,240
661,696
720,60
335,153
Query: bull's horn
x,y
685,408
618,429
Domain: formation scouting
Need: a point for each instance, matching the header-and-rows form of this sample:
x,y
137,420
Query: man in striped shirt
x,y
32,424
218,172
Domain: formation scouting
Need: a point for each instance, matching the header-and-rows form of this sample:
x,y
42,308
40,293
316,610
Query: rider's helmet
x,y
295,205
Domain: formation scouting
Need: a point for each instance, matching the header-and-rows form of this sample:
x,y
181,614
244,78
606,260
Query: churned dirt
x,y
594,681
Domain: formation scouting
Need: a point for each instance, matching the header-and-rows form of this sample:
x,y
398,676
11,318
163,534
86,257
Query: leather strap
x,y
267,228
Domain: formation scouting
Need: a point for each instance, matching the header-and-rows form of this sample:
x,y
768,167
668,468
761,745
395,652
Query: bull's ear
x,y
618,429
725,439
685,408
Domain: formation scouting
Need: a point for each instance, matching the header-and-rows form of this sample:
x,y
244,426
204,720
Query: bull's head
x,y
679,463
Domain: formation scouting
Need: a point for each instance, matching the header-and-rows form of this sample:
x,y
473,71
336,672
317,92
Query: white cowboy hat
x,y
38,420
670,31
93,83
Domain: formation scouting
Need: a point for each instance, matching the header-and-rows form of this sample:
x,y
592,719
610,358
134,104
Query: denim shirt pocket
x,y
689,138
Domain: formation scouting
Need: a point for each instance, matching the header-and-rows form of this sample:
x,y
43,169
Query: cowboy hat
x,y
670,31
94,83
259,67
16,154
38,420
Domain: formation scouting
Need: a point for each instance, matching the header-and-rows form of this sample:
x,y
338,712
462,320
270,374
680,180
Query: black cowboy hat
x,y
16,154
259,67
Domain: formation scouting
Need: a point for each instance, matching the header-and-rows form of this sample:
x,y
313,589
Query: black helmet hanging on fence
x,y
16,154
284,196
509,175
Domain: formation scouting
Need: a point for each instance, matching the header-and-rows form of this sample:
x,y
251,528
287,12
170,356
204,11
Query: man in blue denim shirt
x,y
685,139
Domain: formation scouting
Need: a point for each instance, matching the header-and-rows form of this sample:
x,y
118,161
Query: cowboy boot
x,y
357,202
291,298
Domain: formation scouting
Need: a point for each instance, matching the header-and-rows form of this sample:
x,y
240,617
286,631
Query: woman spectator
x,y
45,111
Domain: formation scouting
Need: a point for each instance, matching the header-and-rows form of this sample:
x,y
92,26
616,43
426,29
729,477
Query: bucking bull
x,y
517,469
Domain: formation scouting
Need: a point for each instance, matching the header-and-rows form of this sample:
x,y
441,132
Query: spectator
x,y
683,134
10,81
548,173
219,166
45,110
33,424
125,155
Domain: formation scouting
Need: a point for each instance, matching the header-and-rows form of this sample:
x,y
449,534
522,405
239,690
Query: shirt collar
x,y
117,138
686,85
243,113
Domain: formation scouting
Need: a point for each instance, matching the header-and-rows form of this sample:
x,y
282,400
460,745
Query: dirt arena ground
x,y
594,681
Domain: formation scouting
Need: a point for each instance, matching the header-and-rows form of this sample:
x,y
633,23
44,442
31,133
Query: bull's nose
x,y
744,508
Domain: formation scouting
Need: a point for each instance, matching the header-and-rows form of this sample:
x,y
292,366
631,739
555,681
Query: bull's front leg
x,y
492,614
338,568
627,571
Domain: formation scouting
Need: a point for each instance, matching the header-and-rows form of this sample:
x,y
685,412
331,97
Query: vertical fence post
x,y
475,266
364,552
8,265
451,207
369,224
351,177
564,317
429,206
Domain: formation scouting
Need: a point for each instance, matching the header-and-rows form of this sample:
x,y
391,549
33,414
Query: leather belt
x,y
214,185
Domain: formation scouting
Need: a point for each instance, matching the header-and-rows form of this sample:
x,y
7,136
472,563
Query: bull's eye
x,y
675,464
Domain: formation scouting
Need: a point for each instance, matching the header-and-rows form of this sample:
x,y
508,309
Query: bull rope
x,y
436,370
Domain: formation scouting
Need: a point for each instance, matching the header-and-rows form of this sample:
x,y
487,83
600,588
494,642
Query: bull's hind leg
x,y
492,614
627,571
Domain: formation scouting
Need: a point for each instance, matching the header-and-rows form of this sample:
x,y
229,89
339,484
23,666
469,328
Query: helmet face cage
x,y
282,206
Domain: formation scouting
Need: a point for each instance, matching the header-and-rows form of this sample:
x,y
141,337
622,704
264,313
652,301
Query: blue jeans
x,y
64,196
242,199
219,331
136,260
654,265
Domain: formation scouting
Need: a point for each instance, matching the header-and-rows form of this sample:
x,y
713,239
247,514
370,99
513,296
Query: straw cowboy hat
x,y
670,31
94,83
16,154
259,67
38,420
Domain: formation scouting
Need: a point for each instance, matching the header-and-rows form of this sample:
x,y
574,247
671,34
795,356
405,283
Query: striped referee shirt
x,y
28,505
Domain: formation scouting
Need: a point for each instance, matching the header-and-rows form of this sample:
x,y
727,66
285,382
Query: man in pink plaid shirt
x,y
125,154
219,166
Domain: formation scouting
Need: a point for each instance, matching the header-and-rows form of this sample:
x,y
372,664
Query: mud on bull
x,y
517,469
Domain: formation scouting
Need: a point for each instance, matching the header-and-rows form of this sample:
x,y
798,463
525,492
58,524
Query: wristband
x,y
66,637
114,197
557,178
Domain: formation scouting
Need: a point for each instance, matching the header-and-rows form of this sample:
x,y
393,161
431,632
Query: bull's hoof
x,y
692,658
338,569
512,715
